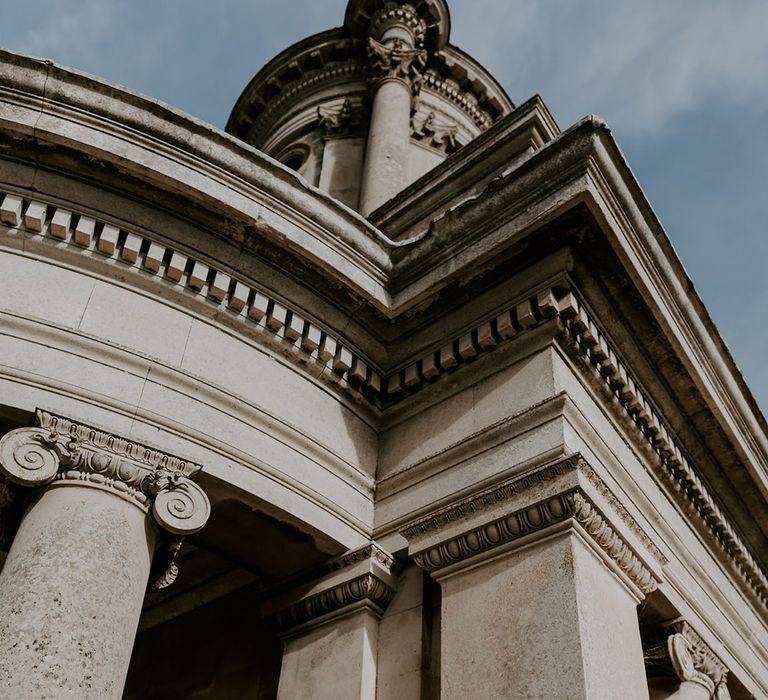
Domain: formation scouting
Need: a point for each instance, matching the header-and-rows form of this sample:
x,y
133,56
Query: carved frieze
x,y
573,506
393,14
362,578
62,452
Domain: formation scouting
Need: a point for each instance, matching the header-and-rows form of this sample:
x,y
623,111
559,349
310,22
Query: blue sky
x,y
683,85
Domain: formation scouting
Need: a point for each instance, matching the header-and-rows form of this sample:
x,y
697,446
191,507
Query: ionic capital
x,y
362,579
62,452
690,658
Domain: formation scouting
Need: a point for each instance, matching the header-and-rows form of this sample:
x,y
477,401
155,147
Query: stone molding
x,y
362,578
673,467
570,506
684,654
62,452
451,89
393,14
218,289
57,225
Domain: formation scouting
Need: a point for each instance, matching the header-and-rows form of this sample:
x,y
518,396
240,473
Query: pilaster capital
x,y
396,46
62,452
685,654
364,578
566,495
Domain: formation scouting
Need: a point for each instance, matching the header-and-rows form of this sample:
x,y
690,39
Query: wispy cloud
x,y
639,64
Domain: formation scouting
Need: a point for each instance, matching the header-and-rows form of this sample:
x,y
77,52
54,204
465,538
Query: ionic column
x,y
73,584
330,627
683,667
539,589
397,59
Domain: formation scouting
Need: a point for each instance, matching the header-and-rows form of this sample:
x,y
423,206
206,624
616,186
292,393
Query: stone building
x,y
438,415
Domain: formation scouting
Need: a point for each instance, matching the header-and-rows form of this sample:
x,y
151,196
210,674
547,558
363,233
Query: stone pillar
x,y
73,584
539,589
397,59
686,666
330,627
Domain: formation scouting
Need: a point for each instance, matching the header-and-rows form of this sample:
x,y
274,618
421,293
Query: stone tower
x,y
365,110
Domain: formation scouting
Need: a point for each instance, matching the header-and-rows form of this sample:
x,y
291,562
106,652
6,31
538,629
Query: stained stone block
x,y
219,286
34,217
198,276
60,224
131,247
311,339
84,231
107,242
239,297
277,316
10,210
176,266
259,307
154,257
342,361
327,350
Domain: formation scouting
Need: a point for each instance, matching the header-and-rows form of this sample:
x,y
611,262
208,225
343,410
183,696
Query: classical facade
x,y
395,390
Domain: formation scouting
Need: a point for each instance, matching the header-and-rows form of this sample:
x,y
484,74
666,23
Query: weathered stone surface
x,y
71,592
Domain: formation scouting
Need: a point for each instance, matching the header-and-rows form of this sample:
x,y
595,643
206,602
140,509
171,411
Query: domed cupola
x,y
364,110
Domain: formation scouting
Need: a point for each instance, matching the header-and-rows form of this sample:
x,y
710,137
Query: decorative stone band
x,y
393,14
686,654
363,578
452,90
573,506
366,589
215,288
673,467
62,452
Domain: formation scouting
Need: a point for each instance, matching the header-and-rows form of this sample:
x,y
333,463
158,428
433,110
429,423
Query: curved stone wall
x,y
124,308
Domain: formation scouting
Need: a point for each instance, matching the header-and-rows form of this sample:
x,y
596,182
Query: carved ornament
x,y
686,656
341,121
435,134
362,578
63,452
396,61
572,505
393,14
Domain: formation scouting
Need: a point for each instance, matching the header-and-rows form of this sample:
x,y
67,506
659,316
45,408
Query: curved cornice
x,y
143,138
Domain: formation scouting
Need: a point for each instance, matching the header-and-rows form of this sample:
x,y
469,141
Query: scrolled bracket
x,y
31,456
180,506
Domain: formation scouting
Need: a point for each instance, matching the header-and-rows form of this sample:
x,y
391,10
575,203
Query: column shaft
x,y
549,620
335,661
386,157
71,593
